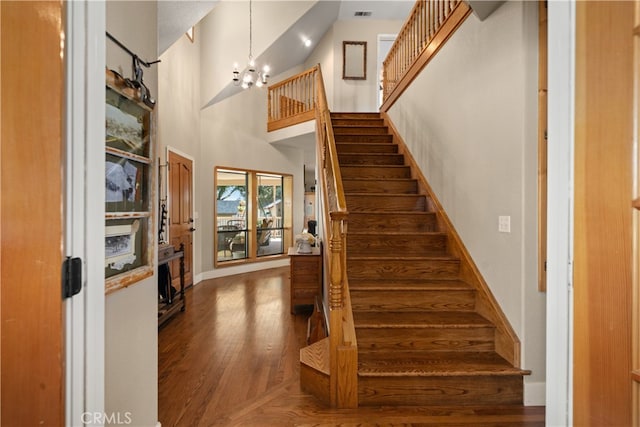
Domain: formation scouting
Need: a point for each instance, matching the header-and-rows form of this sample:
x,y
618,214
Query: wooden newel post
x,y
335,305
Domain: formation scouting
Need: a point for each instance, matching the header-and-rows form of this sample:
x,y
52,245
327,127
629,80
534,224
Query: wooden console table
x,y
171,305
306,277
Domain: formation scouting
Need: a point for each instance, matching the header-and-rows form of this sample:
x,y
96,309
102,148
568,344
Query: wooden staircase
x,y
426,333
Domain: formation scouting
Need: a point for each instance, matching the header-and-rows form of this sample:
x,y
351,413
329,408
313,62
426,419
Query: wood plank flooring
x,y
232,359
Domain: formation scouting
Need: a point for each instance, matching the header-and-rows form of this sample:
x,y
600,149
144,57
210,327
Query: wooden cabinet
x,y
306,277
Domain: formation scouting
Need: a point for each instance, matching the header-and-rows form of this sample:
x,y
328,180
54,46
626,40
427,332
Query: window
x,y
252,215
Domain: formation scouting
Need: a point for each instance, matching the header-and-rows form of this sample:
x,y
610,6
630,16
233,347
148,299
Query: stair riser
x,y
396,222
363,147
355,116
406,203
380,186
402,269
376,172
357,122
360,130
411,339
370,159
440,391
438,300
363,138
384,244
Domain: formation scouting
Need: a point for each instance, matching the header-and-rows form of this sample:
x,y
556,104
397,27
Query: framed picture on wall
x,y
354,60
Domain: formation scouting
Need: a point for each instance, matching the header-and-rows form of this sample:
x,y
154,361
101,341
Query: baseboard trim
x,y
535,394
246,268
197,279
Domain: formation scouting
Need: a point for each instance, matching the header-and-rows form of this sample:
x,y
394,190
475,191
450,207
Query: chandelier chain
x,y
250,76
250,30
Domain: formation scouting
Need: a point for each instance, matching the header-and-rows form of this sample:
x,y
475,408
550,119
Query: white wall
x,y
131,314
225,34
470,121
178,113
350,95
358,95
323,54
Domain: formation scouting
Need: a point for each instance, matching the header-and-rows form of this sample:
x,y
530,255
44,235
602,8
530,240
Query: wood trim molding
x,y
461,12
290,121
542,145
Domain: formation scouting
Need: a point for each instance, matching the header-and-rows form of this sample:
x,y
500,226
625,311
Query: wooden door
x,y
635,307
31,218
602,391
181,223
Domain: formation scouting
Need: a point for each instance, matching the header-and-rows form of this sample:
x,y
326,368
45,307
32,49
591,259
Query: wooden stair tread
x,y
413,363
356,125
316,356
420,320
409,285
363,144
378,179
397,233
426,257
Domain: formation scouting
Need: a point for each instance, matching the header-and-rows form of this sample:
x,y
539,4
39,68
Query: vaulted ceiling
x,y
175,17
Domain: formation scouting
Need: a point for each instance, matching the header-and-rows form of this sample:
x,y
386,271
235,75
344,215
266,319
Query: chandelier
x,y
250,76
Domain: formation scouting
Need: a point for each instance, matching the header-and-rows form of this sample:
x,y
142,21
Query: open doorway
x,y
385,41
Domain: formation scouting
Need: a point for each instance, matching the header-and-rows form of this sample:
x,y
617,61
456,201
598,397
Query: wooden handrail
x,y
343,347
296,99
423,26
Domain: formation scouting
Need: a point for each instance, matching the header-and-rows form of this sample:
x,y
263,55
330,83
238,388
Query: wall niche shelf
x,y
129,186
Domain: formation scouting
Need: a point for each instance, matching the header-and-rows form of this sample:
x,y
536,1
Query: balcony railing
x,y
429,25
292,101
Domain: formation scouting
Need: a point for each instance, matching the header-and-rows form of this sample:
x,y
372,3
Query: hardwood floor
x,y
232,359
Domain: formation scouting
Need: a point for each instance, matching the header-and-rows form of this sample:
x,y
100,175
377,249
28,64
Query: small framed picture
x,y
124,185
120,245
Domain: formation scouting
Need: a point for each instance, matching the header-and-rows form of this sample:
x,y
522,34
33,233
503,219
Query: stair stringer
x,y
507,343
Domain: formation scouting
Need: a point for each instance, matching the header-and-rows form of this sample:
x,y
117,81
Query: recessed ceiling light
x,y
362,13
307,42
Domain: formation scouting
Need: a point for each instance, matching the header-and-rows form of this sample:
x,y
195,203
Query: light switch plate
x,y
504,224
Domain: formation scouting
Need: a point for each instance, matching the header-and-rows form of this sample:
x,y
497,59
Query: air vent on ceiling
x,y
362,13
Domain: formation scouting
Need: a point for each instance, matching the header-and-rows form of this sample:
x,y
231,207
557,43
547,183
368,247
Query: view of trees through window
x,y
251,219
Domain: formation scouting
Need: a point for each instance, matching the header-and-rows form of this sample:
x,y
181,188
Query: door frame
x,y
194,215
561,118
84,236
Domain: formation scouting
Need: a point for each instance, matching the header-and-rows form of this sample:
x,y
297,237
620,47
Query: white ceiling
x,y
380,9
175,17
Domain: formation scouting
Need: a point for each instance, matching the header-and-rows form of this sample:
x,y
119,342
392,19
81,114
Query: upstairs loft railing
x,y
296,100
429,25
292,101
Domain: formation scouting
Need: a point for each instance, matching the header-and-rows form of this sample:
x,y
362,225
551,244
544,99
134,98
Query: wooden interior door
x,y
181,223
31,218
602,385
635,343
